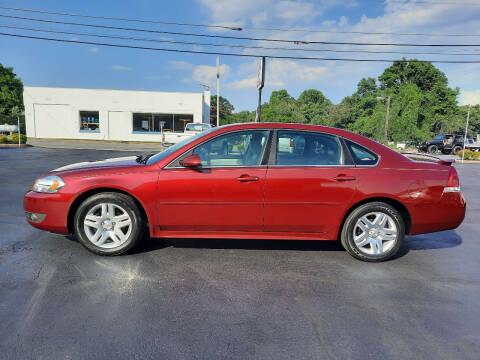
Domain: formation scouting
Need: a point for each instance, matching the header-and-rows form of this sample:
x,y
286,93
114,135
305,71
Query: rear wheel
x,y
432,149
373,232
109,224
456,149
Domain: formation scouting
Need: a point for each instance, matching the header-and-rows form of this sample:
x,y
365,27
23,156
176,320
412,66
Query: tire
x,y
103,233
432,149
456,149
354,227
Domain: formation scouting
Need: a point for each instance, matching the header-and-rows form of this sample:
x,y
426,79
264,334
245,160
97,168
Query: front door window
x,y
243,148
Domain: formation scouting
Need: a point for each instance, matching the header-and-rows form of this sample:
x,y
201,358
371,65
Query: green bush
x,y
469,155
3,139
14,138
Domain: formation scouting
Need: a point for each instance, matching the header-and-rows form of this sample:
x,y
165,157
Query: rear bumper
x,y
51,209
447,214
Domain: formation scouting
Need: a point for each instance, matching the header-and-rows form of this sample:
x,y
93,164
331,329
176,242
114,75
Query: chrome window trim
x,y
320,166
286,166
268,130
222,167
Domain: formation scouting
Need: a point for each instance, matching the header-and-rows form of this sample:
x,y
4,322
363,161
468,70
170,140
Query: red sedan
x,y
253,181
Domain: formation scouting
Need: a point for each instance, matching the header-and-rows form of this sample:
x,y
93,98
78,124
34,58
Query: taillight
x,y
453,184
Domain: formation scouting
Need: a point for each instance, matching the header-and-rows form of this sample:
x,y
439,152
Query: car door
x,y
309,184
224,194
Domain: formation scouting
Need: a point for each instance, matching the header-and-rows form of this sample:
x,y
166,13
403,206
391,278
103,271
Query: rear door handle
x,y
343,177
245,178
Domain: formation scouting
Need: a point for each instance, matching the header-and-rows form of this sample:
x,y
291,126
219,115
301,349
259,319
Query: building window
x,y
181,121
89,121
150,122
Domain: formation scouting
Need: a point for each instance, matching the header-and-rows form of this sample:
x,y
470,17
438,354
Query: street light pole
x,y
218,91
387,118
466,130
18,122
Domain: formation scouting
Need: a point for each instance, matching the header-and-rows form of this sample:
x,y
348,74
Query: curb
x,y
467,162
13,145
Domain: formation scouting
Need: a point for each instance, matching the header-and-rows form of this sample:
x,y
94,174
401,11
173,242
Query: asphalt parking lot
x,y
225,299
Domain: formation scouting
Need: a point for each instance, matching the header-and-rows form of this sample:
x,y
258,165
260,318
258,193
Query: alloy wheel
x,y
375,233
107,225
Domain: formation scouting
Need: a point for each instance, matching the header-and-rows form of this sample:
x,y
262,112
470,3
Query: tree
x,y
282,107
474,122
314,106
226,109
360,111
438,103
11,95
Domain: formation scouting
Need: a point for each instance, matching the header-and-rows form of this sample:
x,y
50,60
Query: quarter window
x,y
243,148
361,155
308,148
89,121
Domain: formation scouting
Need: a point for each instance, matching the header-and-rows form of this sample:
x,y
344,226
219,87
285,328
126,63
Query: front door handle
x,y
344,177
245,178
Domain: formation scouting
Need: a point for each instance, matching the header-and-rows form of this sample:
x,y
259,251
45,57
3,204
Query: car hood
x,y
113,162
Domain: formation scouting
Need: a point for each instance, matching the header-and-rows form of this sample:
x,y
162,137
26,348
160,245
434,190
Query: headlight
x,y
49,184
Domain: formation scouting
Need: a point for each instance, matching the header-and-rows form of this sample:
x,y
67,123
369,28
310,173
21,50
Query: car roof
x,y
295,126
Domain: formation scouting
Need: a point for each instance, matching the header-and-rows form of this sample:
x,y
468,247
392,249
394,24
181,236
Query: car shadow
x,y
153,244
433,241
440,240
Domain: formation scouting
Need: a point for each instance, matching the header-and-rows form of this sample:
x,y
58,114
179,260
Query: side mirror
x,y
192,161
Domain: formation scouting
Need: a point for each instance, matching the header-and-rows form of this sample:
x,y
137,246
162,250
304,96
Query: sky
x,y
42,63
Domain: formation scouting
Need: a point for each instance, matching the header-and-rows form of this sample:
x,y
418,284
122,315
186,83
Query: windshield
x,y
162,155
438,137
196,127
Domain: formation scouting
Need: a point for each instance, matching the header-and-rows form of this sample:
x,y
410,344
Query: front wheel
x,y
432,149
373,232
109,224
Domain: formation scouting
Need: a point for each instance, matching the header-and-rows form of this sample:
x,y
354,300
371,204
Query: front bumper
x,y
51,211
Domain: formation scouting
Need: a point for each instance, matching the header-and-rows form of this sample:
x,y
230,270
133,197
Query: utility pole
x,y
387,118
466,130
260,84
218,91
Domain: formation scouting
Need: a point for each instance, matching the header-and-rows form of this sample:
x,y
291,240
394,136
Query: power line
x,y
236,54
121,18
233,45
237,37
358,32
235,28
423,2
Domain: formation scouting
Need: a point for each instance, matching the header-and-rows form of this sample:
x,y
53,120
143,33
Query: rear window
x,y
361,155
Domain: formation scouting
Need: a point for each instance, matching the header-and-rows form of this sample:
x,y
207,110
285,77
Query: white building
x,y
90,114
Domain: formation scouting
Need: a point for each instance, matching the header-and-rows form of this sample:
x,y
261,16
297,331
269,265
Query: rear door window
x,y
303,148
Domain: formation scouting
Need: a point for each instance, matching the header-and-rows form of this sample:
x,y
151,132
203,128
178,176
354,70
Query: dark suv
x,y
432,146
446,143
